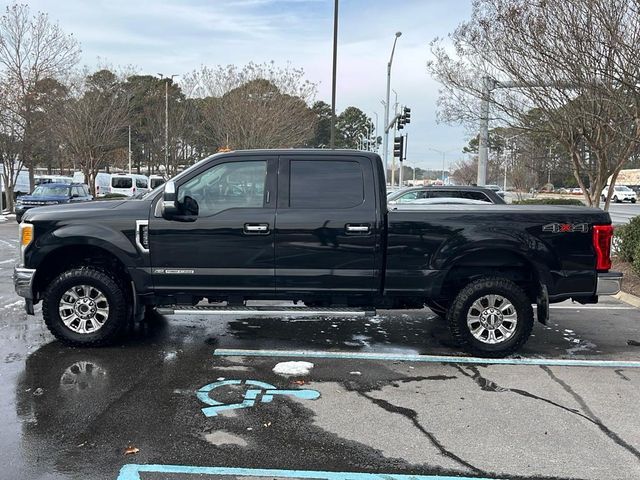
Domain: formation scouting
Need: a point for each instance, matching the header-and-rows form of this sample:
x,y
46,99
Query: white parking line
x,y
14,304
560,362
590,307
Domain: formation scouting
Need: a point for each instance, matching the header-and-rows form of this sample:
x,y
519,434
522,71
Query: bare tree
x,y
575,65
256,106
92,124
464,171
31,50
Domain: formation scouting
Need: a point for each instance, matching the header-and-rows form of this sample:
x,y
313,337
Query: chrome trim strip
x,y
257,313
141,223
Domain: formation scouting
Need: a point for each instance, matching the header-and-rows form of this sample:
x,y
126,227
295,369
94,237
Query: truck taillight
x,y
602,235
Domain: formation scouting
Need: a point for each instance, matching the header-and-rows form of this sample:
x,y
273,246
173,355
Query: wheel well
x,y
72,256
506,264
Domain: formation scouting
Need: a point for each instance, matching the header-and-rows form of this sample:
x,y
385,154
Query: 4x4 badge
x,y
566,227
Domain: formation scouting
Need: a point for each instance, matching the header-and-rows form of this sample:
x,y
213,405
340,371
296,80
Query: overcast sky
x,y
176,36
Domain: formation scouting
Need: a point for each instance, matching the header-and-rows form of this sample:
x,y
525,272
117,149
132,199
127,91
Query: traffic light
x,y
404,118
406,115
398,147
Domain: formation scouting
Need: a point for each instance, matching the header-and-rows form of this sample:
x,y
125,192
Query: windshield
x,y
622,188
121,182
47,190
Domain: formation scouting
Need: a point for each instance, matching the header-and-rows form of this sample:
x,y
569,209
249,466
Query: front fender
x,y
121,244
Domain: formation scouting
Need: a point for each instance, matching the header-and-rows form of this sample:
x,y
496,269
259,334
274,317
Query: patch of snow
x,y
293,368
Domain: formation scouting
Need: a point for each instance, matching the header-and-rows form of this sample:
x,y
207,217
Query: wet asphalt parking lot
x,y
377,403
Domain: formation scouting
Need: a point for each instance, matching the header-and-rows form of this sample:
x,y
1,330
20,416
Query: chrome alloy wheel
x,y
83,309
492,319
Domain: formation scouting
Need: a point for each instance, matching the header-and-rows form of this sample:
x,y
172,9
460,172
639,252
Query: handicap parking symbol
x,y
261,393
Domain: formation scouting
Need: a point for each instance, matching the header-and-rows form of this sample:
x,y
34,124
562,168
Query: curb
x,y
628,298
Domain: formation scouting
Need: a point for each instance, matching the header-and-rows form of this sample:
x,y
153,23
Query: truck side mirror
x,y
170,206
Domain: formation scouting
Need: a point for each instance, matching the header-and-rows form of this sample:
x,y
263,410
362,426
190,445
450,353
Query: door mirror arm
x,y
171,208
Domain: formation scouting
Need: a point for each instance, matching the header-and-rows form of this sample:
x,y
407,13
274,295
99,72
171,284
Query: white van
x,y
102,183
42,179
21,186
129,184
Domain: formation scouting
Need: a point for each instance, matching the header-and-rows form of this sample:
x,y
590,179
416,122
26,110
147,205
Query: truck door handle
x,y
256,228
362,229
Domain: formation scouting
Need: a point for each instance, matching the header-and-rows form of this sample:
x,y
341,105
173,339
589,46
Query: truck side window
x,y
325,184
227,185
141,183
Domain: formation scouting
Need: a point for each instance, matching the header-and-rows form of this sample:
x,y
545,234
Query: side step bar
x,y
267,310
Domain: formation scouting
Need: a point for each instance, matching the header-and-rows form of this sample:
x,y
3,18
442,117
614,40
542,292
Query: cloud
x,y
176,36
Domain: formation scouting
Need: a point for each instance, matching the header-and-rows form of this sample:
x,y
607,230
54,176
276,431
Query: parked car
x,y
52,194
422,202
129,184
102,182
155,181
413,194
497,189
621,193
210,233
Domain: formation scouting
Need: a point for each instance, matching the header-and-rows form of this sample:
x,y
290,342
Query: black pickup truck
x,y
312,227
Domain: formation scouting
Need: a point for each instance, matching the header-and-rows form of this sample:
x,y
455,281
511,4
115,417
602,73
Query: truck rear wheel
x,y
491,317
85,307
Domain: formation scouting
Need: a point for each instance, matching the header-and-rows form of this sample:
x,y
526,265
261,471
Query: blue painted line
x,y
560,362
132,472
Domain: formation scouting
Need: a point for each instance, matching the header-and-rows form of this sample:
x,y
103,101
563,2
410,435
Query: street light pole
x,y
332,141
376,133
443,157
385,141
166,119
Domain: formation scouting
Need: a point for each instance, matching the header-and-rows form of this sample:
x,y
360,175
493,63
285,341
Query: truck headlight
x,y
26,238
51,202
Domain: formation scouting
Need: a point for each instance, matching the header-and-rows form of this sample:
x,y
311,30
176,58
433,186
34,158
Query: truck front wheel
x,y
84,307
491,317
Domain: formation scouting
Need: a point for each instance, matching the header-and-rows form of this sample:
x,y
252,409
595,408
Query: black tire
x,y
461,306
615,199
633,200
18,218
118,312
439,308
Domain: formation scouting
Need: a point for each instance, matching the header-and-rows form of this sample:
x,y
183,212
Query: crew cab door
x,y
229,245
327,227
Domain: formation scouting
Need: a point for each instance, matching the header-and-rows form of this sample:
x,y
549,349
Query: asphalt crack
x,y
488,385
412,416
594,418
619,371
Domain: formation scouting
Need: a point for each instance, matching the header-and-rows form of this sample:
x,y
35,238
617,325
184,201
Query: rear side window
x,y
141,182
121,182
325,184
460,194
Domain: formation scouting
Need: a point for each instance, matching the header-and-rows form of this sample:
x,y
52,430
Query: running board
x,y
263,311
